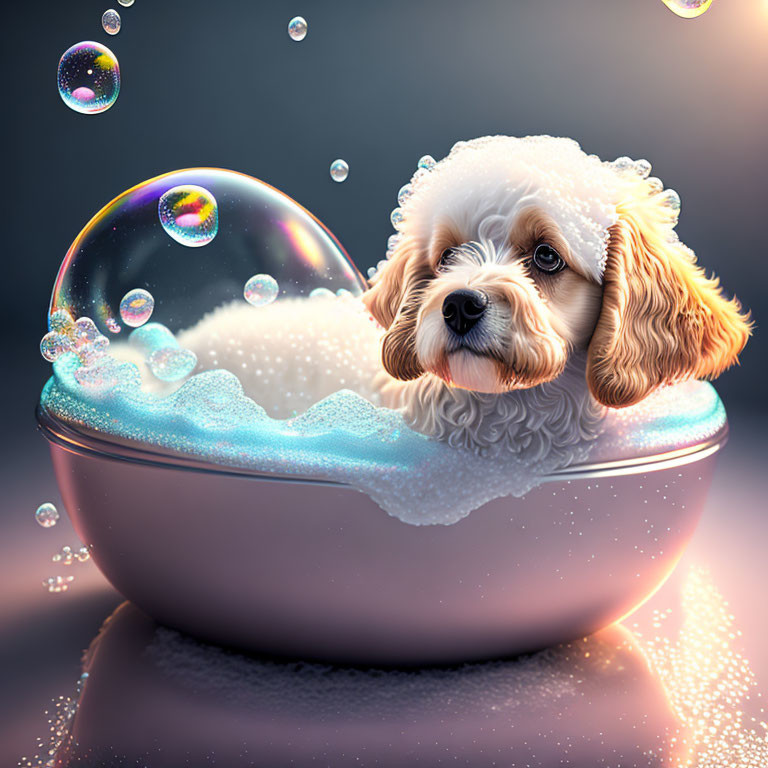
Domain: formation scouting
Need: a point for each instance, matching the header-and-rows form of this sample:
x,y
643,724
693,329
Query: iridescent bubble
x,y
172,363
89,77
427,163
688,9
339,170
113,325
111,22
136,307
261,290
62,321
47,515
396,217
54,345
189,214
405,192
671,199
297,28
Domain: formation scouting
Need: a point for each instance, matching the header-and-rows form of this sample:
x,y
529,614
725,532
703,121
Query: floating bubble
x,y
111,21
88,77
113,325
125,3
58,583
688,9
189,214
261,290
297,28
339,170
172,363
136,307
47,515
54,345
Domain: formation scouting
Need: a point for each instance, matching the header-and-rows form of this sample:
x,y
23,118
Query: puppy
x,y
531,286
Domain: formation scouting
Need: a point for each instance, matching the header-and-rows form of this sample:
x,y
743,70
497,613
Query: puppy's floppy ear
x,y
394,301
384,297
662,319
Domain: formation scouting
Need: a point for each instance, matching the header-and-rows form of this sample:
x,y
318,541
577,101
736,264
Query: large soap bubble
x,y
126,248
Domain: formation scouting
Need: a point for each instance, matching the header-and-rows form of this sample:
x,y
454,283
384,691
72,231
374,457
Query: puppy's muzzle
x,y
463,309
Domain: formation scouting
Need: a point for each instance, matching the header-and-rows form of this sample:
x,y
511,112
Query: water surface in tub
x,y
342,435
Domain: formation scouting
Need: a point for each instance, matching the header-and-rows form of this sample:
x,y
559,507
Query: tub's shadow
x,y
163,699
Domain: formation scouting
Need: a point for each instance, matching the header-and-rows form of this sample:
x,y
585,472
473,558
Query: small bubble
x,y
113,325
297,28
88,78
261,290
392,242
339,170
171,363
427,163
136,307
396,217
53,345
47,515
688,9
405,192
111,22
62,321
58,583
321,293
189,214
125,3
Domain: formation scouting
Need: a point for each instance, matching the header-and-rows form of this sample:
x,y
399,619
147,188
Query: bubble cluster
x,y
81,338
339,170
47,515
111,22
189,214
297,28
261,290
67,556
58,583
136,307
688,9
88,77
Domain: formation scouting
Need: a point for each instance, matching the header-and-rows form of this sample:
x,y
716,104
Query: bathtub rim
x,y
62,434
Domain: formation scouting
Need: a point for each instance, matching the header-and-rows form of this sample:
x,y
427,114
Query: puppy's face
x,y
493,316
515,253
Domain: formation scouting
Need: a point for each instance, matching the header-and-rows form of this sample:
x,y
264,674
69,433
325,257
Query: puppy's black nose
x,y
462,309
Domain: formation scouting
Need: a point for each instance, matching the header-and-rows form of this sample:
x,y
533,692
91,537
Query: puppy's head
x,y
515,253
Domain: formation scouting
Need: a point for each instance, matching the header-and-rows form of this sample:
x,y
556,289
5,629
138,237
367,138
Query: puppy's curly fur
x,y
630,310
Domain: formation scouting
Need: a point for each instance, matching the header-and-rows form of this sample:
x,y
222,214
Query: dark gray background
x,y
380,83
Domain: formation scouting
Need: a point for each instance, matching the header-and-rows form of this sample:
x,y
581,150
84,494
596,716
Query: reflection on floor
x,y
683,697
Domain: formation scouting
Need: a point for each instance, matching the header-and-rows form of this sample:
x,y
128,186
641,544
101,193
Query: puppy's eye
x,y
447,258
547,259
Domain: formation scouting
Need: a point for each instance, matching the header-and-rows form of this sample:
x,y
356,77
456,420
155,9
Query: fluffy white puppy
x,y
533,284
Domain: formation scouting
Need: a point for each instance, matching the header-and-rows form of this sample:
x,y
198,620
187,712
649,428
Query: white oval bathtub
x,y
317,570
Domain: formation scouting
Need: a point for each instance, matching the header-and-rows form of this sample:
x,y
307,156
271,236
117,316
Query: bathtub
x,y
318,571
